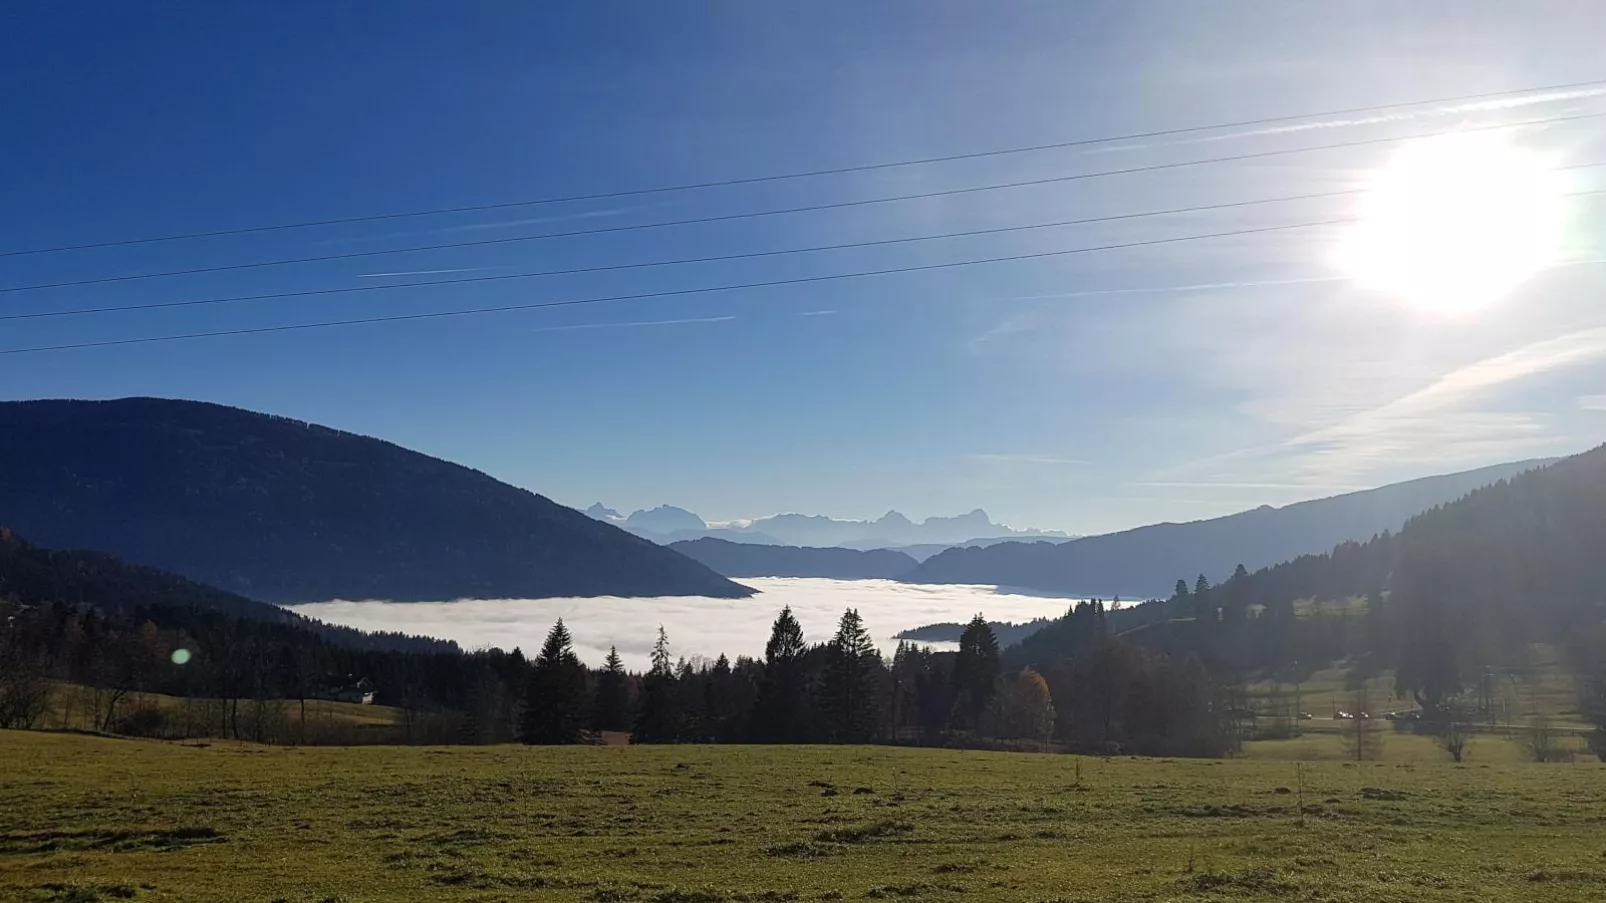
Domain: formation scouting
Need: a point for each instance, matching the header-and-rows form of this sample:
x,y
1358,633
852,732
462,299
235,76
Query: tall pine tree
x,y
658,715
850,686
555,707
975,671
1181,599
612,709
1204,607
1236,607
782,710
719,702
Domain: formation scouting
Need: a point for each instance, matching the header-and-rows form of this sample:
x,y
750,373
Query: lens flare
x,y
1455,222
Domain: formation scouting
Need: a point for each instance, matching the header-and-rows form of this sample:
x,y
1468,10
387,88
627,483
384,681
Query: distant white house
x,y
357,691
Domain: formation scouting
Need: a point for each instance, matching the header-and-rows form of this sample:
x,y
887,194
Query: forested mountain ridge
x,y
30,575
1533,538
1463,591
735,559
1144,561
286,511
1510,563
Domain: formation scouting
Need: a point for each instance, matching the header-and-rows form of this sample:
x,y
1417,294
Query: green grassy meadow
x,y
92,818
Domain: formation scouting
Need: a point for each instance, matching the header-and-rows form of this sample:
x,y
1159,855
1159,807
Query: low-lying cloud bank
x,y
697,625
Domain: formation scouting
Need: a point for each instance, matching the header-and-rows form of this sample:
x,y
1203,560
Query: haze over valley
x,y
667,523
699,627
918,450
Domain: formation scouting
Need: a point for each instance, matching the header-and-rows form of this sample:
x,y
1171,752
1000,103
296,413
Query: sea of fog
x,y
697,625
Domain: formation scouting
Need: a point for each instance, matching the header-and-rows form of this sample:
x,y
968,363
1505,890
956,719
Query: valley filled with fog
x,y
697,625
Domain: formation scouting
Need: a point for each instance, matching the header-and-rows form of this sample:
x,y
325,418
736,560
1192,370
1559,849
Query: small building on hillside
x,y
348,689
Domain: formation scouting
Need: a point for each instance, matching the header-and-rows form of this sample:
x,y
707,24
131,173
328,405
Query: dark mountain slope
x,y
1519,561
33,576
286,511
734,559
1463,587
1147,561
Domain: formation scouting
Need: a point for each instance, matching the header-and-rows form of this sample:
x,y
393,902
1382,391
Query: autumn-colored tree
x,y
1028,709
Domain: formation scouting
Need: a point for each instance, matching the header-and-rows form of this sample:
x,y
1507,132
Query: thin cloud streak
x,y
1484,106
633,324
1453,387
538,220
497,224
427,272
1214,286
1592,402
1434,424
1030,320
1163,289
1185,484
1025,458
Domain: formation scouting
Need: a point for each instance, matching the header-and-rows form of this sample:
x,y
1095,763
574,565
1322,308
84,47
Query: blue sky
x,y
1083,393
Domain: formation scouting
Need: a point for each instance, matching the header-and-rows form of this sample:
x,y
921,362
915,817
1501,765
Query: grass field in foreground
x,y
89,818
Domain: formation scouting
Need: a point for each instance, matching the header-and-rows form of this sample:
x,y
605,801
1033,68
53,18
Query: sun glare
x,y
1453,223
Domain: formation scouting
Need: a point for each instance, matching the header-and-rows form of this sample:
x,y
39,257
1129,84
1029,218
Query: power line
x,y
1075,177
469,280
573,302
36,315
842,170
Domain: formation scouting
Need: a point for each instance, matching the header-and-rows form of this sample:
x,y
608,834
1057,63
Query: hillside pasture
x,y
91,818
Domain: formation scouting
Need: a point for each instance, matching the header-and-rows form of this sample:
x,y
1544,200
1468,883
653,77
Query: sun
x,y
1455,222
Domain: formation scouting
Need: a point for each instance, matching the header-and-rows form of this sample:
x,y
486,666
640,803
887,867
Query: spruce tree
x,y
851,683
555,706
612,709
975,671
1204,607
658,715
719,713
780,715
1180,601
1235,593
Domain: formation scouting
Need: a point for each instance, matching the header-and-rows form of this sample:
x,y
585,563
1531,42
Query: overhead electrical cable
x,y
1514,94
683,261
354,255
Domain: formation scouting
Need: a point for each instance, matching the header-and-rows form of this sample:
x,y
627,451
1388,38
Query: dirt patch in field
x,y
111,841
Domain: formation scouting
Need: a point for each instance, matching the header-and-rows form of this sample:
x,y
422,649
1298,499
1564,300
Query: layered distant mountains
x,y
667,523
735,559
1147,561
285,511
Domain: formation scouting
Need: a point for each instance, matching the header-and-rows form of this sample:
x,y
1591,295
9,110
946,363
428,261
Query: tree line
x,y
254,680
1453,603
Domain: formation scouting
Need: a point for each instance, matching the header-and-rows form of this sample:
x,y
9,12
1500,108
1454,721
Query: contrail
x,y
1160,289
1508,103
426,272
1209,286
633,324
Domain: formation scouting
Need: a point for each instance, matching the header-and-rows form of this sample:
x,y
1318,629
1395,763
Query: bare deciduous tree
x,y
1539,740
1456,731
24,691
1363,739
